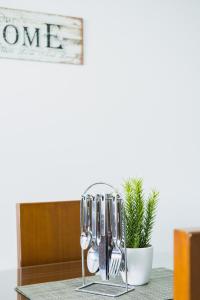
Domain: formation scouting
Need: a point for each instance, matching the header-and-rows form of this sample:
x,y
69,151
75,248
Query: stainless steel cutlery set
x,y
103,237
102,233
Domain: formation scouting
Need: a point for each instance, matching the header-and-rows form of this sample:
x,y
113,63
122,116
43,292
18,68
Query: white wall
x,y
131,110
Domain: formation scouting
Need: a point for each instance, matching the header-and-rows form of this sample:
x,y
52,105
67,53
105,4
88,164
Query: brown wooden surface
x,y
187,264
47,273
48,232
181,266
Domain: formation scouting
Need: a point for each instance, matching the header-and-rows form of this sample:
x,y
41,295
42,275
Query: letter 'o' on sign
x,y
14,36
40,37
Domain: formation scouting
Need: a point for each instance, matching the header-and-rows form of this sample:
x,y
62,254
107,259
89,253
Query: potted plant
x,y
139,219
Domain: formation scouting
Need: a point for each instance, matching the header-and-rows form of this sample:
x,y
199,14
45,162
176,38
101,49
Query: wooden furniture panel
x,y
48,232
48,272
187,264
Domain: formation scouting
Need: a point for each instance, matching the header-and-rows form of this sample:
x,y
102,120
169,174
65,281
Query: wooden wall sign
x,y
40,37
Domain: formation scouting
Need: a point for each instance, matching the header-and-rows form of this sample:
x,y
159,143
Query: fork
x,y
116,255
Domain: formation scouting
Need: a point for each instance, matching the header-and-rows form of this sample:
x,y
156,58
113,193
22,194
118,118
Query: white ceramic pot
x,y
139,261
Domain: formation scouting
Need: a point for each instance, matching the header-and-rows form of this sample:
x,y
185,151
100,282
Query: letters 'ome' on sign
x,y
40,37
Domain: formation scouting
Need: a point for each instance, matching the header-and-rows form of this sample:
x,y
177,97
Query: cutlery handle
x,y
120,220
84,214
115,219
98,219
94,218
109,217
89,212
103,216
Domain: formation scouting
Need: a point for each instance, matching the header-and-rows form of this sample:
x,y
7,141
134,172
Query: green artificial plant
x,y
139,213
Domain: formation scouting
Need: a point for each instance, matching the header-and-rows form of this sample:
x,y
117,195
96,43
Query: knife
x,y
103,245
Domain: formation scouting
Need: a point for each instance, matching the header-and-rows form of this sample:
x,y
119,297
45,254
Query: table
x,y
38,274
9,279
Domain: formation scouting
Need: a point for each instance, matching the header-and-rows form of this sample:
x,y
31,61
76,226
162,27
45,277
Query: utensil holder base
x,y
117,291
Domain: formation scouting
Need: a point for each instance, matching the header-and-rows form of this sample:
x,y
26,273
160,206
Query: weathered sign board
x,y
40,37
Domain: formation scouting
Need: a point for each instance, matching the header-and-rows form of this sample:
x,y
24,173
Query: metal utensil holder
x,y
117,289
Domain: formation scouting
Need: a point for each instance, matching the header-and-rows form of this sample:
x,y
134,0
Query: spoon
x,y
85,239
93,253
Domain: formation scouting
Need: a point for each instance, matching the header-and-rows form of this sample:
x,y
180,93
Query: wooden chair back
x,y
187,264
48,232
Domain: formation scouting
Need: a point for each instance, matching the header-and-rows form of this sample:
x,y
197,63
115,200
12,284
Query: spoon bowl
x,y
93,259
85,240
